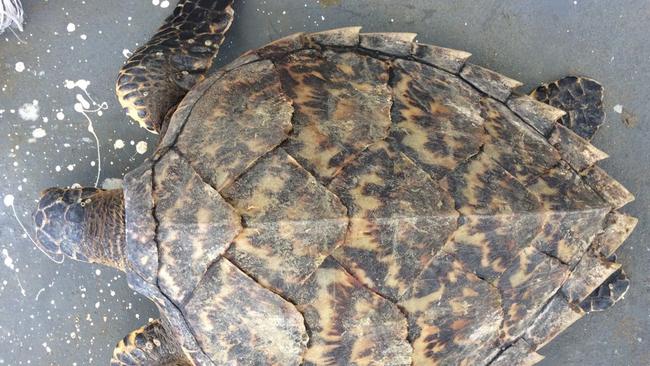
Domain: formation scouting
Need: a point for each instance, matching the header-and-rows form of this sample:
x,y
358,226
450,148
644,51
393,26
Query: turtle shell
x,y
342,198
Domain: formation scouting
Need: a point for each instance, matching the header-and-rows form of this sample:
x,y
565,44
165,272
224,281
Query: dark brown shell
x,y
341,198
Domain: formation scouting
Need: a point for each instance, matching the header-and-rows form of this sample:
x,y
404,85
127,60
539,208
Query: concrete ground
x,y
73,314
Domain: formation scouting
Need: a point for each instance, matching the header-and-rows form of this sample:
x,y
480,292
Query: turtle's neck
x,y
104,229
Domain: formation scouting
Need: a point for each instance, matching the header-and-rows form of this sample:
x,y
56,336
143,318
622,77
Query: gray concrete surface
x,y
72,314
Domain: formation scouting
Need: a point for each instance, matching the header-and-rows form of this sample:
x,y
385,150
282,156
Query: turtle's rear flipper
x,y
581,98
612,290
158,74
149,345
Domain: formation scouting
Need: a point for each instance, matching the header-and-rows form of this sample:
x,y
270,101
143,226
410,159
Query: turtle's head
x,y
85,224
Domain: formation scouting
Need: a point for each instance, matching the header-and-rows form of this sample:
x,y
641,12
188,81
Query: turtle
x,y
348,198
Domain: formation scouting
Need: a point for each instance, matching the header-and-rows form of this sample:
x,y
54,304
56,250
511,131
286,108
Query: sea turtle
x,y
348,198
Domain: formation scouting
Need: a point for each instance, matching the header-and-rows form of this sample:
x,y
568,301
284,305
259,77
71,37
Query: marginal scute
x,y
394,207
445,58
237,321
339,37
292,223
397,44
525,288
575,150
141,249
342,105
574,213
538,115
440,129
195,226
520,354
282,46
453,315
555,318
247,102
618,227
591,272
518,148
607,187
499,218
350,325
489,82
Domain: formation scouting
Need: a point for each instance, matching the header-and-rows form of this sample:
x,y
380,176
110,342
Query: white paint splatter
x,y
83,107
119,144
9,200
164,4
126,53
39,294
141,147
29,111
83,37
8,261
71,27
60,116
97,305
47,348
98,272
112,183
20,67
71,167
155,2
39,133
618,108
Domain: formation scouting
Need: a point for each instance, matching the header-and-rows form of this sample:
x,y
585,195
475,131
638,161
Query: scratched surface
x,y
60,81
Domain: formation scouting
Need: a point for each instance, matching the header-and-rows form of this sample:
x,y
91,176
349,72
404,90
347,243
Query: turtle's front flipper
x,y
612,290
149,345
159,74
581,98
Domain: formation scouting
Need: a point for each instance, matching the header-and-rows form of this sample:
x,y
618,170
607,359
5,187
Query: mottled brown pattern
x,y
500,216
399,218
461,213
342,105
574,213
525,287
350,325
292,223
444,58
237,321
538,115
575,150
247,102
522,151
489,82
556,316
436,117
453,315
195,226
